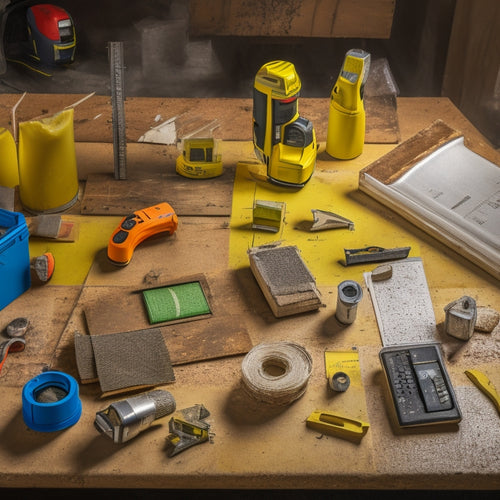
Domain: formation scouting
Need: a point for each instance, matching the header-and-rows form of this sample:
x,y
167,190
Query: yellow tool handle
x,y
485,385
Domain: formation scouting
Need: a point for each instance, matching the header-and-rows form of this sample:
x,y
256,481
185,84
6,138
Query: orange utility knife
x,y
135,228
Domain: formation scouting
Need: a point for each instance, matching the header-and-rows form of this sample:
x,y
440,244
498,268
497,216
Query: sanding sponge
x,y
285,280
43,267
52,226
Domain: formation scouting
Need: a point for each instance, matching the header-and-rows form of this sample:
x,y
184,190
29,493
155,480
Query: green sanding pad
x,y
175,302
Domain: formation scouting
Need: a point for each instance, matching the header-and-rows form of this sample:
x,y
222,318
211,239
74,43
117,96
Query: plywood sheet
x,y
102,315
47,309
104,195
116,309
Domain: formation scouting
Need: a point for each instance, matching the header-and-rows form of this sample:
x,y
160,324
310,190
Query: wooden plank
x,y
397,162
105,195
93,118
232,116
103,317
42,306
222,334
292,18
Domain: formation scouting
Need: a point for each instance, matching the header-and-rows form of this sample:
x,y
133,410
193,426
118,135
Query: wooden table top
x,y
252,446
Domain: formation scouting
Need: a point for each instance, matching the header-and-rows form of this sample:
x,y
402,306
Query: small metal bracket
x,y
374,254
187,428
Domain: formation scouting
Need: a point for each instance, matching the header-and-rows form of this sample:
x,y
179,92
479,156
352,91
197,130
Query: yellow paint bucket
x,y
48,176
9,174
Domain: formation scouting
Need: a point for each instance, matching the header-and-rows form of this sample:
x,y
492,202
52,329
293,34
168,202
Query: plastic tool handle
x,y
485,385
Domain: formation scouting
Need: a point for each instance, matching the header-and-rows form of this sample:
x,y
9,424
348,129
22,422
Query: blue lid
x,y
51,414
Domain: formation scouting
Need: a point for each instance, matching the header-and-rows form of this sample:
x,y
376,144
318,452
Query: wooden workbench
x,y
252,446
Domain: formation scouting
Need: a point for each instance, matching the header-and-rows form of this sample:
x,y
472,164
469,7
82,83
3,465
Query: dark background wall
x,y
163,59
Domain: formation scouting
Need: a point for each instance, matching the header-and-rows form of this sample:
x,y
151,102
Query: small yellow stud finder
x,y
346,119
199,159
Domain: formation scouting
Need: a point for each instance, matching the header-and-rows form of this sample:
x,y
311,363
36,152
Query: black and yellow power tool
x,y
283,141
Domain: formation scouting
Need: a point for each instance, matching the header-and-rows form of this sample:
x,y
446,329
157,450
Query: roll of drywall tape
x,y
349,293
9,173
276,373
48,177
51,402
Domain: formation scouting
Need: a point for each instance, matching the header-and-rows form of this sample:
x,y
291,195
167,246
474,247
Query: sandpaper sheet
x,y
403,305
131,360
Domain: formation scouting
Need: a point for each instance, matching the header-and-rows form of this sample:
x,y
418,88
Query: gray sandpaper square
x,y
283,269
85,361
131,359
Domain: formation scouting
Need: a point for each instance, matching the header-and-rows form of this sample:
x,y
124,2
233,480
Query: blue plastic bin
x,y
15,277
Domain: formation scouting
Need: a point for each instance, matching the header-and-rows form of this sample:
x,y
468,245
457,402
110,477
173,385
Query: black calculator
x,y
419,385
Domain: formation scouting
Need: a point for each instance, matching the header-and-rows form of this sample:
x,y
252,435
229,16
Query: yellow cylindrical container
x,y
346,133
48,176
346,120
9,173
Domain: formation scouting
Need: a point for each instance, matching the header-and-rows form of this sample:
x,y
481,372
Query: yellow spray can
x,y
346,119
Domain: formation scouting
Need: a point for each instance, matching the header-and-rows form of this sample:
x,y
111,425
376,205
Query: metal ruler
x,y
115,56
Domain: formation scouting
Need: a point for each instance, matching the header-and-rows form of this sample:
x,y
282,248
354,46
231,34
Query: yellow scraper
x,y
485,385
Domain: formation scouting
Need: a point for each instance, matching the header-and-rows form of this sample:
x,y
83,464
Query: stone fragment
x,y
382,272
487,319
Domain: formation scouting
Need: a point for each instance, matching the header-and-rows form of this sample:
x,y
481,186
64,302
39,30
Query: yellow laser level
x,y
283,141
346,119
